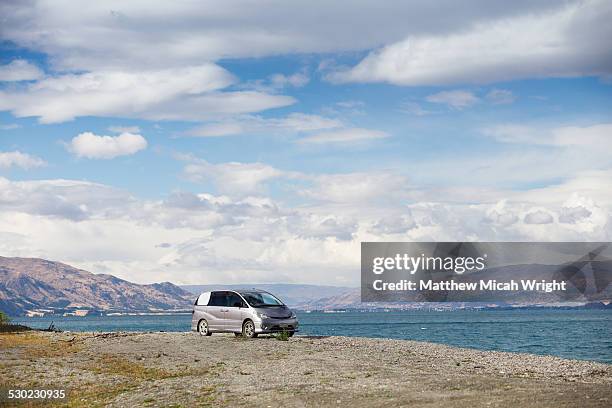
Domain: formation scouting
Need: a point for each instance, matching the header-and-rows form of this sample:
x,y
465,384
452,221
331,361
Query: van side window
x,y
217,299
234,300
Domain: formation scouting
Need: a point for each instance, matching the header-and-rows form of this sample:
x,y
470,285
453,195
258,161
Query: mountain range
x,y
32,283
294,295
39,284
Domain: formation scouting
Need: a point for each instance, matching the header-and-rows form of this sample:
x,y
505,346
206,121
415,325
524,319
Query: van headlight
x,y
293,315
262,315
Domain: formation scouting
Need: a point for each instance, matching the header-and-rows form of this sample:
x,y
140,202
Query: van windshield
x,y
261,299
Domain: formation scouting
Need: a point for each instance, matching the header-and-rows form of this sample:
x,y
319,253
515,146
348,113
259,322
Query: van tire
x,y
248,329
203,329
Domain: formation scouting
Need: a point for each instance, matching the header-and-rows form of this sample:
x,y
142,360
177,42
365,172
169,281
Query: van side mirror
x,y
238,304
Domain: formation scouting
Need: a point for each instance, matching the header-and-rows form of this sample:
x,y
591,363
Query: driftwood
x,y
52,328
112,335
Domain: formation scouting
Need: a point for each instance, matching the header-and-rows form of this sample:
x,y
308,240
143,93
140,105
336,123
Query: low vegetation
x,y
98,395
283,335
118,365
34,345
7,327
11,340
114,375
111,364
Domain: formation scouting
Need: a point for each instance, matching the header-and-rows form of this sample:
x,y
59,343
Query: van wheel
x,y
203,328
248,329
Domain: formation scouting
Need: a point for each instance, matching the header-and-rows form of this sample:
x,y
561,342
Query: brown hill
x,y
29,283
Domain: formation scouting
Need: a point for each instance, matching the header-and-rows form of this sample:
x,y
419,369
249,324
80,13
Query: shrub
x,y
4,319
282,336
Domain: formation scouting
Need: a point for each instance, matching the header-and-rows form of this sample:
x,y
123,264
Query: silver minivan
x,y
244,312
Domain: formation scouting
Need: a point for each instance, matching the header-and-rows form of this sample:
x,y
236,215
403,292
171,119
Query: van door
x,y
216,309
233,317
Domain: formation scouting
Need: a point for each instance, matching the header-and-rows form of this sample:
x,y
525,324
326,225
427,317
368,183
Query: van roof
x,y
239,290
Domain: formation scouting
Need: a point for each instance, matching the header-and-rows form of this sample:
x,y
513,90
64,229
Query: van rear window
x,y
203,299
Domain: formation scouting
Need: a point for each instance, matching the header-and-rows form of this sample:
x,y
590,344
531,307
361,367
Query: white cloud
x,y
593,137
216,105
18,159
218,129
297,80
188,93
357,187
292,123
65,199
350,104
500,96
583,215
573,215
349,107
586,183
10,126
91,146
514,133
221,238
125,63
277,82
19,70
538,217
394,224
349,135
414,108
455,99
81,223
510,167
322,226
139,34
300,122
563,43
124,129
234,178
501,215
596,136
531,154
106,93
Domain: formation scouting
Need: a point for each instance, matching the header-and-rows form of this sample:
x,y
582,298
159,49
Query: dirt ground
x,y
185,369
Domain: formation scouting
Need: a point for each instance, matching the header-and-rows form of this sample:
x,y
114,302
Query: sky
x,y
204,142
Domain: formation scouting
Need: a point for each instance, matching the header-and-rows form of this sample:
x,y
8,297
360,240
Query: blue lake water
x,y
577,334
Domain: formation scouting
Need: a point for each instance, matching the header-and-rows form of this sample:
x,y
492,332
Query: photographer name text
x,y
482,285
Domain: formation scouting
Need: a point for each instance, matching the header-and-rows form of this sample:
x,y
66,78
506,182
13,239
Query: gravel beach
x,y
185,369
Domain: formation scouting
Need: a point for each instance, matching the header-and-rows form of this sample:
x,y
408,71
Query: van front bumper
x,y
270,325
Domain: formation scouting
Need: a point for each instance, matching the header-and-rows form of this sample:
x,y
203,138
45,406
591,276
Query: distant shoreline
x,y
438,307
